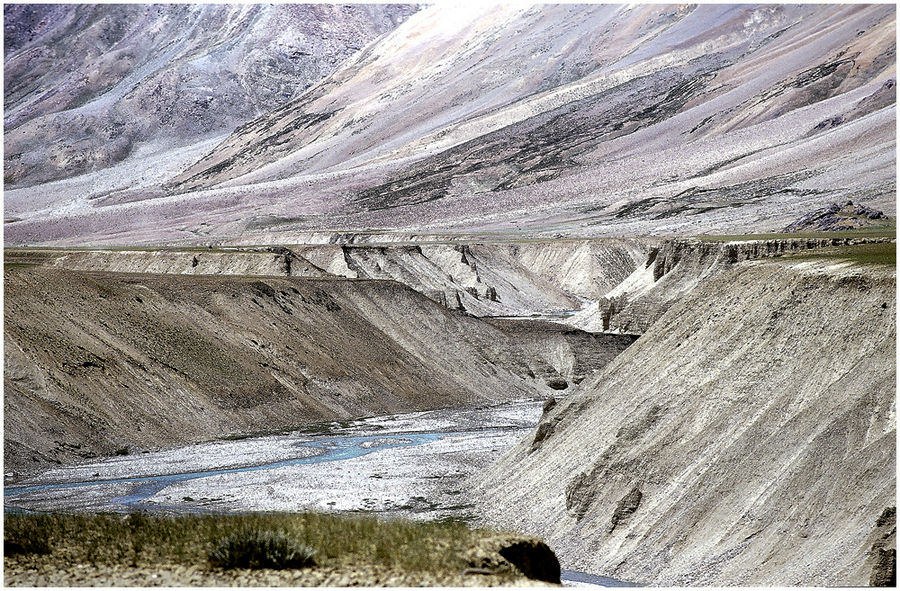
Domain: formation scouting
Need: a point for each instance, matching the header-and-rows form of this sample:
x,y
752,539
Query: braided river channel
x,y
409,465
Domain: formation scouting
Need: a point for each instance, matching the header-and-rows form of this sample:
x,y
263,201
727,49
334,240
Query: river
x,y
409,465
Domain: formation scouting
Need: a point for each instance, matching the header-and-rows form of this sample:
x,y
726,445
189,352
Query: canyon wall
x,y
484,279
96,362
747,438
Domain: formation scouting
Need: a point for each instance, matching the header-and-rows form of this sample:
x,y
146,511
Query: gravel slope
x,y
748,437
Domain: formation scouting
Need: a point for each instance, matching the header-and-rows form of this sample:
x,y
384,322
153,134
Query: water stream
x,y
330,449
453,438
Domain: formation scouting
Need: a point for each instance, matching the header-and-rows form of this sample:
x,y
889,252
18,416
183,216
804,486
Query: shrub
x,y
34,540
255,548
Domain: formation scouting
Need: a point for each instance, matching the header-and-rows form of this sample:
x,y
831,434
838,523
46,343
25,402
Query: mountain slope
x,y
86,85
548,120
747,438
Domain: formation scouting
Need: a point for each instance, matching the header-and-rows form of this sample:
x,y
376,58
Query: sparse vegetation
x,y
885,229
881,253
262,540
260,548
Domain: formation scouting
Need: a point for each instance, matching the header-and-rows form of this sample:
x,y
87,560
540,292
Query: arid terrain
x,y
580,120
747,437
621,278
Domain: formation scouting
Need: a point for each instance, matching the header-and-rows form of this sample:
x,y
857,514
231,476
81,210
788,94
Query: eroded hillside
x,y
748,437
97,362
87,86
484,279
674,268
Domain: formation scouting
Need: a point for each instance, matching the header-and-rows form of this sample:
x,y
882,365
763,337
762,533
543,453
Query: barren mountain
x,y
545,120
88,85
359,210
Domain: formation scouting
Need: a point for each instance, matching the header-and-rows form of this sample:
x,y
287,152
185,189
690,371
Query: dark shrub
x,y
253,548
32,541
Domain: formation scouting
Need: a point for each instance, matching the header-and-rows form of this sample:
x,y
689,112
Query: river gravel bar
x,y
409,465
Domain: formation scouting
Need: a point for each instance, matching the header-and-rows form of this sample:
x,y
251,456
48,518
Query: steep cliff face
x,y
484,279
99,361
500,278
748,437
674,268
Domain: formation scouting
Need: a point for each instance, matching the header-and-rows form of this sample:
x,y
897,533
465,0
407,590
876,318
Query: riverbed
x,y
407,465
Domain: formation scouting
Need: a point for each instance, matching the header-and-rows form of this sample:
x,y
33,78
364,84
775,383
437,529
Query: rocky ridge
x,y
837,217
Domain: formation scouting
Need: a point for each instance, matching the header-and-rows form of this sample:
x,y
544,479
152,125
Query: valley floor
x,y
410,466
686,376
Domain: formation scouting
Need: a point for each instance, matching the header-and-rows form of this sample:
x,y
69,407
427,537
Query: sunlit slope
x,y
548,120
747,438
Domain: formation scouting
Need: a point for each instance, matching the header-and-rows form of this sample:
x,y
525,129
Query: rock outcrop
x,y
674,268
837,217
528,556
883,553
